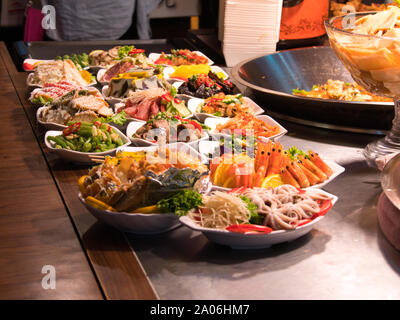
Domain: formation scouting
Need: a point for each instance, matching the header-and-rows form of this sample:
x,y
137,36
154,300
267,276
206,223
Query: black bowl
x,y
273,77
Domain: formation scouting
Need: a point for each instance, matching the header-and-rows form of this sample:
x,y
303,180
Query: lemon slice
x,y
219,174
230,182
273,180
86,76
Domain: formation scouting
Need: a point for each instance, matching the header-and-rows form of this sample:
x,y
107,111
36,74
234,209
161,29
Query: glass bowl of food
x,y
368,44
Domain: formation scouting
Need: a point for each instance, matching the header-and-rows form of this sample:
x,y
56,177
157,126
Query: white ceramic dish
x,y
154,57
194,104
48,125
168,71
139,223
32,85
100,74
113,100
337,170
253,241
133,126
179,146
213,122
77,156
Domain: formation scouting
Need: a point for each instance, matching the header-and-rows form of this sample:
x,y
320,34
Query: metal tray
x,y
273,77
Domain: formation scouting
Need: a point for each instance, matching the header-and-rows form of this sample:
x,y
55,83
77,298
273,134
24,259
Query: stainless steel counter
x,y
344,257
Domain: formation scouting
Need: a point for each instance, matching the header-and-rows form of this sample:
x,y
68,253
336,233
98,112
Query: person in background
x,y
90,20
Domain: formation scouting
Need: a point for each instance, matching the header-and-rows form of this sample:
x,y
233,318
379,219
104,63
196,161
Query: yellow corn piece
x,y
81,184
148,209
135,155
98,204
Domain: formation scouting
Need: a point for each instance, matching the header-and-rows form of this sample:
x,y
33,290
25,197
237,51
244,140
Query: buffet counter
x,y
345,256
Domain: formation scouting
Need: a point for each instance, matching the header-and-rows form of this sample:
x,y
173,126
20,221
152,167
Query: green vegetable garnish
x,y
181,202
124,51
298,91
252,207
293,151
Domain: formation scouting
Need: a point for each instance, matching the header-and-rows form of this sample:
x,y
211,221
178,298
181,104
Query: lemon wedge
x,y
273,180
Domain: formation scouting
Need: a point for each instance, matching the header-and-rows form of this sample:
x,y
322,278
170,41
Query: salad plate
x,y
78,156
253,241
195,104
168,71
213,122
175,147
133,126
155,56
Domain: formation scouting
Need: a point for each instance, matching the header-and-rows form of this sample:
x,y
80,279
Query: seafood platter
x,y
169,141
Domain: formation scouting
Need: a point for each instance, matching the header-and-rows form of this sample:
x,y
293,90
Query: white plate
x,y
100,74
194,104
253,241
31,62
154,56
32,85
213,122
337,170
168,71
179,146
48,125
139,223
114,100
77,156
135,125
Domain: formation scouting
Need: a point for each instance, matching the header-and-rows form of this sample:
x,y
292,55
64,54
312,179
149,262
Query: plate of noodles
x,y
258,218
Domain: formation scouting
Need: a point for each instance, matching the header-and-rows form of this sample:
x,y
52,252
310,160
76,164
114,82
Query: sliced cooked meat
x,y
188,133
143,110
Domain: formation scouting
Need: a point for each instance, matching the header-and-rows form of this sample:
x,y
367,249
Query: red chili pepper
x,y
163,61
324,206
109,129
72,129
97,123
135,51
177,101
227,82
178,117
209,82
167,96
249,228
237,190
196,125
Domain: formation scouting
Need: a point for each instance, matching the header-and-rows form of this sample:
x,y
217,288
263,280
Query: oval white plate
x,y
154,57
114,100
135,125
253,241
337,170
195,103
32,85
168,71
77,156
212,123
139,223
178,146
48,125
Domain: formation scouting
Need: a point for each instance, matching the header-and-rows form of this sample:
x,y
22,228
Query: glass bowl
x,y
374,63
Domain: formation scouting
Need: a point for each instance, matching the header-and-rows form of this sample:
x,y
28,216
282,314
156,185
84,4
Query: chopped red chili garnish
x,y
72,128
135,51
